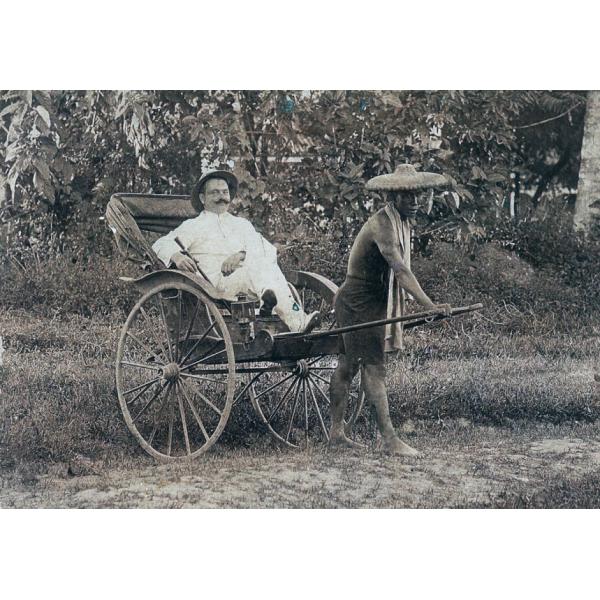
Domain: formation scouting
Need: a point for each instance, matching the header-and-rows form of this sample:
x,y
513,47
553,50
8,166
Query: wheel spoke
x,y
146,384
276,384
305,410
142,345
319,415
157,417
247,386
198,342
320,378
204,358
195,413
178,329
281,401
145,388
183,422
289,430
153,330
207,401
154,397
171,419
320,390
166,325
316,360
192,321
140,365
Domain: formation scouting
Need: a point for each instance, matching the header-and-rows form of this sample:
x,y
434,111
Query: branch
x,y
551,118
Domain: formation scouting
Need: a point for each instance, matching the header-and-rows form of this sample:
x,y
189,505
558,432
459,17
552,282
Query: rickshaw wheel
x,y
303,385
293,401
175,372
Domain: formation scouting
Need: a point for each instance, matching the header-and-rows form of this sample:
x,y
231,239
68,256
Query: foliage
x,y
302,157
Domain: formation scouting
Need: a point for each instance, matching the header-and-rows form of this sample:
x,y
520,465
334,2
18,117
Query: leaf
x,y
464,192
11,152
43,98
41,127
453,200
429,204
4,196
392,99
496,177
44,114
478,173
13,176
44,187
11,108
37,182
42,168
27,95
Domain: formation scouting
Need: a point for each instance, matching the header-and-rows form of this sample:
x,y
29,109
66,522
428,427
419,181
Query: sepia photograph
x,y
311,299
299,300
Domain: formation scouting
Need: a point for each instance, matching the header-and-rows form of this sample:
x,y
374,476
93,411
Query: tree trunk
x,y
588,188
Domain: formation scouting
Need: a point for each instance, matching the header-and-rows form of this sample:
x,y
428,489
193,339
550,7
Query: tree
x,y
588,190
302,158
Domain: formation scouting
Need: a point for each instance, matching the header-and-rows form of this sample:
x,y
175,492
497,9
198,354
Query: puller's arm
x,y
384,237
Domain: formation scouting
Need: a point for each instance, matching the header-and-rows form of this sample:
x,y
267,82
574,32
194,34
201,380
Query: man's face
x,y
407,204
215,196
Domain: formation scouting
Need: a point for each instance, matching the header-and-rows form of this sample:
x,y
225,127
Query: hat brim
x,y
419,181
228,176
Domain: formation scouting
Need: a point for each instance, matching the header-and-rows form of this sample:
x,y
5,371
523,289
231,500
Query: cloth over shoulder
x,y
396,305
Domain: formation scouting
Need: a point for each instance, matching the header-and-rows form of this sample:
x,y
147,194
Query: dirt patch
x,y
461,467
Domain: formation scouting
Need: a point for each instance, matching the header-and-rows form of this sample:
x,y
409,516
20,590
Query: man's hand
x,y
183,262
443,309
232,263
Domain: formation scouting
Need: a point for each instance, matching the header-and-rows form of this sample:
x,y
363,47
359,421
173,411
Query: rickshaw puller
x,y
377,278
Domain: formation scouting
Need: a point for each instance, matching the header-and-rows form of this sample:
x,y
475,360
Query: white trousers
x,y
261,275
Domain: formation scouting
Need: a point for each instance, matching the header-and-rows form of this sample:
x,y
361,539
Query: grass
x,y
458,391
502,379
59,397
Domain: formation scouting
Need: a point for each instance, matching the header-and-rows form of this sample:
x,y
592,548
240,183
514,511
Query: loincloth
x,y
361,301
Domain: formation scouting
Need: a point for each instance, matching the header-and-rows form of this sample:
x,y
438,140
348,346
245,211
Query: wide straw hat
x,y
228,176
406,177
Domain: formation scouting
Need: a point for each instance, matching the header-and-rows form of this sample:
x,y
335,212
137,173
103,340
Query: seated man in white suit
x,y
231,253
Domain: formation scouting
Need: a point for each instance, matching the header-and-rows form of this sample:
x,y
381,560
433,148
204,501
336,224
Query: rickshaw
x,y
186,354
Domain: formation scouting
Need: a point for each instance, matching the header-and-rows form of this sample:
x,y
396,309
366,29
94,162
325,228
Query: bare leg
x,y
377,394
338,391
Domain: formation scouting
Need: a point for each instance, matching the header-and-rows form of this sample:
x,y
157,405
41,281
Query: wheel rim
x,y
293,400
175,372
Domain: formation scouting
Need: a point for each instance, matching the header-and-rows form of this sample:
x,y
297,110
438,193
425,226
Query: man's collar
x,y
213,215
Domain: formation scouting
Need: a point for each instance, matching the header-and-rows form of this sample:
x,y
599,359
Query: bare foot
x,y
341,441
397,447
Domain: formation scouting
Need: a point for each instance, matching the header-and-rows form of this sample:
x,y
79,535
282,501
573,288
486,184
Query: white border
x,y
315,44
298,554
318,45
